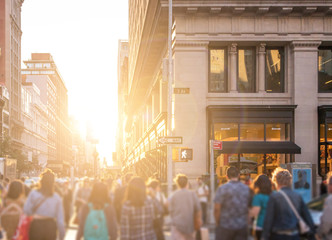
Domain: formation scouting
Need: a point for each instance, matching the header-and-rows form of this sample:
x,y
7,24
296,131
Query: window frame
x,y
225,67
282,68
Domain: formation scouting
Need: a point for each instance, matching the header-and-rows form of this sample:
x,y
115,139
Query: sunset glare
x,y
83,40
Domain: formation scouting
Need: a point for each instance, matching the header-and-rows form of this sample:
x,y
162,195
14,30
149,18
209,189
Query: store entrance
x,y
250,165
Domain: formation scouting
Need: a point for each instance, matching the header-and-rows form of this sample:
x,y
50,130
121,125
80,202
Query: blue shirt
x,y
234,198
260,200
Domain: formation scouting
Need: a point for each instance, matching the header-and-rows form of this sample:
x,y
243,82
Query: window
x,y
325,70
325,139
277,132
246,70
226,132
252,132
274,70
217,73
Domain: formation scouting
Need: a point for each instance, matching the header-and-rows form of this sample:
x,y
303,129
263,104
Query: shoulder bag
x,y
304,228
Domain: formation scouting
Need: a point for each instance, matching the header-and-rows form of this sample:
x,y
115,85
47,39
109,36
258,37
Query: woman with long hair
x,y
138,213
97,217
262,187
13,208
46,207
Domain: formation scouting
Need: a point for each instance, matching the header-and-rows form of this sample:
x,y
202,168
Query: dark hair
x,y
15,190
136,192
47,182
127,177
232,172
153,183
99,195
264,184
181,180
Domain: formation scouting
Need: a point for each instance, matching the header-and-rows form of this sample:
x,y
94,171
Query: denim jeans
x,y
284,237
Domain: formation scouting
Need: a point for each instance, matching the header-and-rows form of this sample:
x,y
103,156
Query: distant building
x,y
121,141
10,70
34,116
255,75
42,70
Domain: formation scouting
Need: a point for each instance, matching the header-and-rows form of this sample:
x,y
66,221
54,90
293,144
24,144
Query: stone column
x,y
233,68
261,68
305,96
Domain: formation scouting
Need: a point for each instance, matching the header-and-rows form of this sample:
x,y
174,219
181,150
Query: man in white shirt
x,y
203,194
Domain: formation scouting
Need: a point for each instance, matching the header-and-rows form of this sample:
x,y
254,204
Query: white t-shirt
x,y
202,190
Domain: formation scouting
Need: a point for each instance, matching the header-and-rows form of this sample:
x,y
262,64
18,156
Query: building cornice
x,y
188,43
305,45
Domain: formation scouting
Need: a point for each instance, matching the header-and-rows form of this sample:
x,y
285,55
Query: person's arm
x,y
112,223
307,216
198,213
269,217
84,211
28,205
256,208
217,211
124,223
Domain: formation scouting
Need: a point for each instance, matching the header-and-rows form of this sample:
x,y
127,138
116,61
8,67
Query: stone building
x,y
253,74
42,71
34,117
10,70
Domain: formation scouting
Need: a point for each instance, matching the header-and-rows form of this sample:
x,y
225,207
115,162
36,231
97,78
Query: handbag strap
x,y
291,205
35,208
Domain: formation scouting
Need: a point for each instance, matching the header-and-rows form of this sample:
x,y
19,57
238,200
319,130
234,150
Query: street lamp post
x,y
170,94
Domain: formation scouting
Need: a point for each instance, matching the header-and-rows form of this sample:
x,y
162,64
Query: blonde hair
x,y
282,177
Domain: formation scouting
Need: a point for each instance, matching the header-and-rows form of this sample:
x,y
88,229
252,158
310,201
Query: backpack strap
x,y
11,206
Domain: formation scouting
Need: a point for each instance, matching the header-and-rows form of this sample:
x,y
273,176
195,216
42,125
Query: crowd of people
x,y
130,208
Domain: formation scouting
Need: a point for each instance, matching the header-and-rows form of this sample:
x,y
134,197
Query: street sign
x,y
217,145
186,154
170,140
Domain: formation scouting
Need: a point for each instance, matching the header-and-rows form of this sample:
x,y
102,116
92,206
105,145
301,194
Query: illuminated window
x,y
246,70
252,132
325,70
274,70
217,73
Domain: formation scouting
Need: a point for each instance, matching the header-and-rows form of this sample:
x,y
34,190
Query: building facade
x,y
42,71
253,74
34,116
10,69
121,141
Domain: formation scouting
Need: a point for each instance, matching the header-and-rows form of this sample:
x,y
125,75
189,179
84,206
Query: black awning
x,y
260,147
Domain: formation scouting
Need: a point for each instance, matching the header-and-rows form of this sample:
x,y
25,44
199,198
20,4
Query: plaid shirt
x,y
137,222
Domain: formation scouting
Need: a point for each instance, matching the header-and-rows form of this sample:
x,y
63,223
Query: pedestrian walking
x,y
203,194
262,189
138,213
47,208
325,228
13,208
281,220
97,217
231,208
67,195
119,195
159,206
185,211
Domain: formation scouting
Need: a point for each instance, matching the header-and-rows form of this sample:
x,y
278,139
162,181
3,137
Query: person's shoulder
x,y
56,196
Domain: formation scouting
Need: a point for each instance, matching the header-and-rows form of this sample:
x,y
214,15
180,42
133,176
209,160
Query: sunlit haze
x,y
82,37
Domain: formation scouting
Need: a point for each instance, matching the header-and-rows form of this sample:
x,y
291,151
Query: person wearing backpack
x,y
97,219
13,208
47,210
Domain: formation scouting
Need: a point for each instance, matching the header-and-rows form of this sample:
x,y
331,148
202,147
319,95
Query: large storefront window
x,y
325,70
246,70
325,140
256,139
218,73
274,72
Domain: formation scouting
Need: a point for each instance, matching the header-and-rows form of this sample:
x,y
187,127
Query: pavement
x,y
71,234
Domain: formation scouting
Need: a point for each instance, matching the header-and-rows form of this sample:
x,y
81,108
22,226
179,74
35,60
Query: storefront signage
x,y
181,90
217,145
170,140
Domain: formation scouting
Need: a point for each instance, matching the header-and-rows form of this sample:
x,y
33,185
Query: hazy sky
x,y
82,37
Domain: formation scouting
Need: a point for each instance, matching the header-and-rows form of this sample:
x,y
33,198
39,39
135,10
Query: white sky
x,y
82,37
